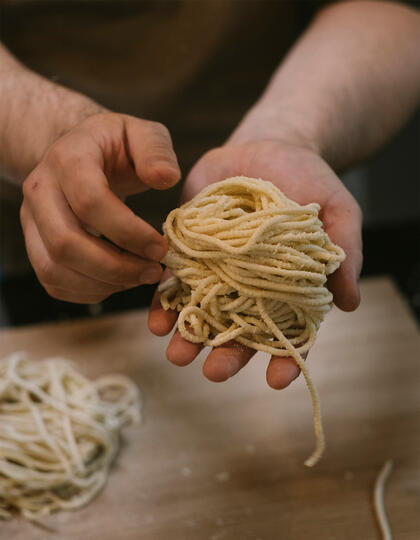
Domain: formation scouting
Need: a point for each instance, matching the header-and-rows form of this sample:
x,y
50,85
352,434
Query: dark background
x,y
196,67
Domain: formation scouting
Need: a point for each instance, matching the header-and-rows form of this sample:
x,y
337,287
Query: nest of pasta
x,y
250,265
59,433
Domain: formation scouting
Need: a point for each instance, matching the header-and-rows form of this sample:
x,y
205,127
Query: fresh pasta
x,y
59,433
378,500
250,265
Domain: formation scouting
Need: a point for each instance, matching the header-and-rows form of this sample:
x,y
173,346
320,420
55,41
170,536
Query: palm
x,y
299,173
304,177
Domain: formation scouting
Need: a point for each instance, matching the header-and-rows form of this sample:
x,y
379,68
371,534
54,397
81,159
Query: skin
x,y
74,195
319,114
304,177
76,162
344,89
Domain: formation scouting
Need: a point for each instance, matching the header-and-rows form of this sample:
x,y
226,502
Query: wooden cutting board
x,y
225,461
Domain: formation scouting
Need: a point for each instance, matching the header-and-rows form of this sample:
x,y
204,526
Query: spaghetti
x,y
59,433
251,265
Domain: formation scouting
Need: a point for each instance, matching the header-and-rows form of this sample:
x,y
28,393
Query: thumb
x,y
150,147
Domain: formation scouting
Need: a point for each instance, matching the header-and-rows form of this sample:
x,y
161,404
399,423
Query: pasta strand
x,y
250,265
59,433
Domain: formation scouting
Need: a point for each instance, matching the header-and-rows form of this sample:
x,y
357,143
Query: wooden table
x,y
225,461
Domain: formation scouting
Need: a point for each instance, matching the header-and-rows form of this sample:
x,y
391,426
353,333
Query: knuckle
x,y
59,246
159,129
54,292
62,155
84,203
109,117
163,130
30,185
105,122
46,273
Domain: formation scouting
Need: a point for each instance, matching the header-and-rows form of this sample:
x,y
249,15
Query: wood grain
x,y
225,461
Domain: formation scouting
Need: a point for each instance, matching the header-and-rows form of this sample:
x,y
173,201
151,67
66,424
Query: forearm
x,y
34,112
347,86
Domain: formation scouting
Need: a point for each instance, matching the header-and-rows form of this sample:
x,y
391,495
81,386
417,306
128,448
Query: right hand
x,y
305,177
77,187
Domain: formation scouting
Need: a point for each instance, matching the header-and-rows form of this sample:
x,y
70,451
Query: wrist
x,y
272,122
77,109
38,112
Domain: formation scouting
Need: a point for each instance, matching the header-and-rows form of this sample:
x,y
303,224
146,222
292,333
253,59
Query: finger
x,y
69,245
72,296
281,371
344,282
160,321
150,147
225,361
60,282
343,222
86,189
182,352
215,165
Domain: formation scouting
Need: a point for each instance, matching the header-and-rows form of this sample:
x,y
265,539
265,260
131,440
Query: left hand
x,y
77,187
303,176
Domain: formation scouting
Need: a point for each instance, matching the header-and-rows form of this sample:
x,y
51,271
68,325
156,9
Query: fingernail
x,y
151,274
156,252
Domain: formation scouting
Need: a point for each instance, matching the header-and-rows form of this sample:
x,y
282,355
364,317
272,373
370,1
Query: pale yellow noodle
x,y
378,500
251,265
59,433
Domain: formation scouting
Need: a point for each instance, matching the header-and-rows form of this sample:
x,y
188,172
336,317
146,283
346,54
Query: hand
x,y
77,187
303,176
